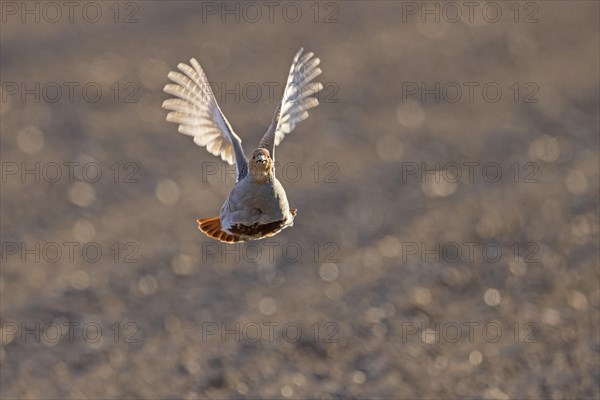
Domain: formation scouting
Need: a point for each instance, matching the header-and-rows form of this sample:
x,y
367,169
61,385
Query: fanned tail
x,y
212,227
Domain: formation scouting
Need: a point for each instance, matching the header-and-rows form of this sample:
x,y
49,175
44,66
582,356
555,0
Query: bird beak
x,y
261,158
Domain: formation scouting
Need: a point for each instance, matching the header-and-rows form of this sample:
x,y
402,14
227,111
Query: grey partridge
x,y
257,206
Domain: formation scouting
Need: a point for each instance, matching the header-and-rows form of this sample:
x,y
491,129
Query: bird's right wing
x,y
297,99
196,111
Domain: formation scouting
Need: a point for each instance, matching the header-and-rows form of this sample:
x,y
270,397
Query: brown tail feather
x,y
293,211
212,227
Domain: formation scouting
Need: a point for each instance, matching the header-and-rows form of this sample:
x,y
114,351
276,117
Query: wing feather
x,y
298,98
198,114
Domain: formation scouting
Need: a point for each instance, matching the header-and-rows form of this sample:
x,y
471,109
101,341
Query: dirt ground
x,y
446,243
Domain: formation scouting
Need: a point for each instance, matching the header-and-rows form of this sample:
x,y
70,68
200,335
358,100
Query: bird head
x,y
260,165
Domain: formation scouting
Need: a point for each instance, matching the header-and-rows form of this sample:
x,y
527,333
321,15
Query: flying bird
x,y
257,206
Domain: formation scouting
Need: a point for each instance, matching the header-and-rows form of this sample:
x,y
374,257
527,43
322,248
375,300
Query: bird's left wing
x,y
196,111
297,99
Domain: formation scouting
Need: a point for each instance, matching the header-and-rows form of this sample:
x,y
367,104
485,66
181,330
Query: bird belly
x,y
256,210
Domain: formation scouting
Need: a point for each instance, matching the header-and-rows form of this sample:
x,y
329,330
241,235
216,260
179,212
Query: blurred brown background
x,y
377,272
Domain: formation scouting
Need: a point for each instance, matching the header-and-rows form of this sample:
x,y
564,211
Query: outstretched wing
x,y
297,100
196,111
